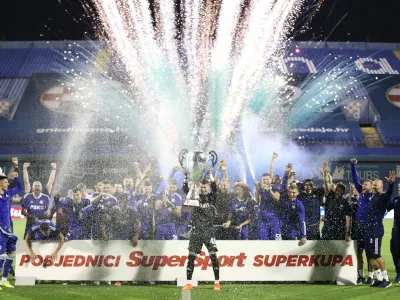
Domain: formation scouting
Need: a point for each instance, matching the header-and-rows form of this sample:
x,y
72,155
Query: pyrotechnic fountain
x,y
196,72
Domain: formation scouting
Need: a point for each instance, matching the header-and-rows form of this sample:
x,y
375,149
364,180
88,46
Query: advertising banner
x,y
166,261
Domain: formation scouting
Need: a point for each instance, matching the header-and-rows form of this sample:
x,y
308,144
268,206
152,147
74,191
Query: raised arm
x,y
354,174
391,179
25,175
173,171
137,171
224,169
50,183
217,174
257,190
272,164
14,168
285,179
327,177
18,186
143,177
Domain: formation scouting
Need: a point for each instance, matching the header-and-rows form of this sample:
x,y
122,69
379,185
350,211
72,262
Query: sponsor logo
x,y
302,260
393,95
37,207
203,261
83,130
314,129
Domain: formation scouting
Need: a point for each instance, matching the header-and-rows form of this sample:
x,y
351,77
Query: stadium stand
x,y
29,70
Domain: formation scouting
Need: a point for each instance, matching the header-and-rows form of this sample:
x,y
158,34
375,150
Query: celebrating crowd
x,y
277,209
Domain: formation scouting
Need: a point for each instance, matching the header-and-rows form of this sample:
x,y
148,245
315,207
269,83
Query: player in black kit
x,y
203,231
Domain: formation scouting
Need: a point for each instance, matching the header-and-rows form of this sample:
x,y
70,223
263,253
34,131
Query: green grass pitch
x,y
228,291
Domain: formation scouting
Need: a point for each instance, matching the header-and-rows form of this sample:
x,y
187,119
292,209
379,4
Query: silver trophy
x,y
195,164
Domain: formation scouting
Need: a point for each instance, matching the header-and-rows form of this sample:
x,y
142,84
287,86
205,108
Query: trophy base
x,y
194,203
190,205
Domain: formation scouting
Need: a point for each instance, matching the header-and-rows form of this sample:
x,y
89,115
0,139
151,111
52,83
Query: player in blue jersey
x,y
374,231
145,208
293,217
365,194
72,208
394,205
276,179
35,206
312,199
44,230
102,210
129,189
240,212
167,211
268,198
7,238
127,222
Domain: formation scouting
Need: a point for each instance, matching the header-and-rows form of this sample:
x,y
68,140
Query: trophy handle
x,y
182,156
213,157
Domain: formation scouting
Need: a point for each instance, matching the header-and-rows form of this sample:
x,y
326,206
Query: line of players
x,y
281,209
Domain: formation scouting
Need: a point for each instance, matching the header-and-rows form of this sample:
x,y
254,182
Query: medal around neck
x,y
195,163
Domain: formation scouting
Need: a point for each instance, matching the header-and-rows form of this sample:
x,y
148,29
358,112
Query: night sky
x,y
355,20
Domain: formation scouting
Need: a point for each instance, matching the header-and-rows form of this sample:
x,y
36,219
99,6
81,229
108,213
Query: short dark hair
x,y
105,182
76,190
341,186
309,181
265,175
205,181
44,226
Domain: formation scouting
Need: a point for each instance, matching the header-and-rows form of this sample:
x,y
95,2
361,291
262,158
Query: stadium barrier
x,y
166,261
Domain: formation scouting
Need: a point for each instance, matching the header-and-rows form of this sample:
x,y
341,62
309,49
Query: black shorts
x,y
373,241
200,237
